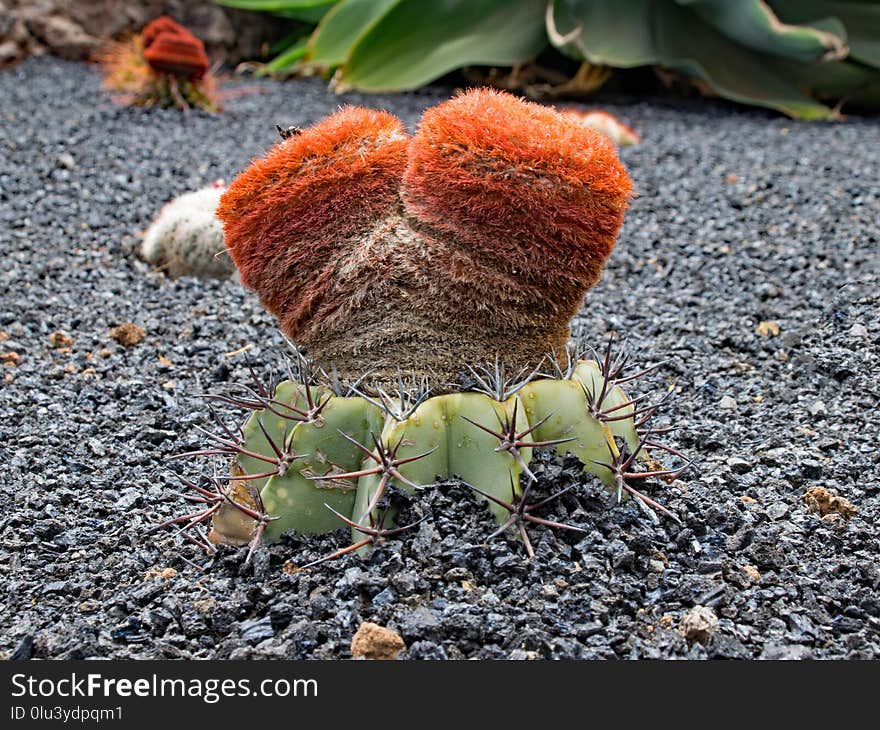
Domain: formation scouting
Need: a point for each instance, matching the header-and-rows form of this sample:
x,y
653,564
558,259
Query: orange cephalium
x,y
291,215
162,24
476,237
177,54
518,183
172,72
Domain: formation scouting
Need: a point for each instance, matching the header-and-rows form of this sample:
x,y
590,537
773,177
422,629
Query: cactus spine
x,y
313,458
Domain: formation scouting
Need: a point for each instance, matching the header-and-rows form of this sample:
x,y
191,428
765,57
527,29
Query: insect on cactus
x,y
398,260
165,65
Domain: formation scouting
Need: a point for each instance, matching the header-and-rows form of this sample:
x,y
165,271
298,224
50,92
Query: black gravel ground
x,y
742,218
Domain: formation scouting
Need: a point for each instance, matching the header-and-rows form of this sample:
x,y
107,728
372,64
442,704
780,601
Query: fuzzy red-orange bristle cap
x,y
286,213
178,54
501,173
162,24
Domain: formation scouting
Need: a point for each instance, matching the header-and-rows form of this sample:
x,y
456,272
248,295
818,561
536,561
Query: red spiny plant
x,y
291,216
518,183
165,65
477,236
177,55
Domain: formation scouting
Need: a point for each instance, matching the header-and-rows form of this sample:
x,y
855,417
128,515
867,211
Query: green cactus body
x,y
298,497
315,448
563,407
365,243
458,448
318,434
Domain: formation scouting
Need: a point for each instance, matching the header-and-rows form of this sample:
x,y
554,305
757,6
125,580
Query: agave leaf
x,y
753,24
341,28
674,37
286,59
849,82
305,11
861,19
416,42
605,33
275,6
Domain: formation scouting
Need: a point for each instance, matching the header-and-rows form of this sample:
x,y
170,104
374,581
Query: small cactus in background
x,y
397,259
605,123
165,65
186,238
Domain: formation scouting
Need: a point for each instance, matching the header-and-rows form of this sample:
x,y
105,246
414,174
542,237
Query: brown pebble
x,y
698,624
128,334
376,642
767,329
824,502
166,574
60,340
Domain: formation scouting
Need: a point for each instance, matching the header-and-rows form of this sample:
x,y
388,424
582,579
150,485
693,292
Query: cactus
x,y
438,257
478,235
621,134
186,238
165,65
315,455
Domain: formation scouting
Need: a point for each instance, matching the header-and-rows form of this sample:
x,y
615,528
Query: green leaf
x,y
851,82
285,60
672,36
753,24
281,45
736,73
611,34
305,11
275,6
341,28
416,42
861,19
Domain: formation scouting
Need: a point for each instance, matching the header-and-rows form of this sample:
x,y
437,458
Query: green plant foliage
x,y
415,42
294,51
308,11
340,29
797,56
855,78
753,24
292,48
673,36
742,51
